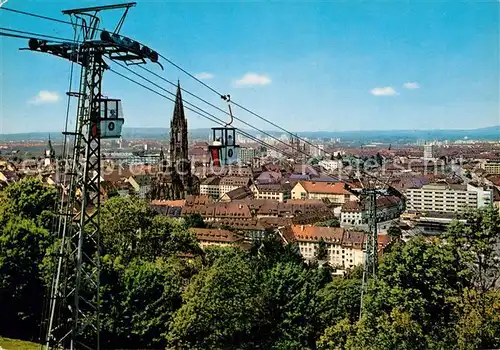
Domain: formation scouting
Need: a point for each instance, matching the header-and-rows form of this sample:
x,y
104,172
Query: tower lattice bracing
x,y
371,242
72,317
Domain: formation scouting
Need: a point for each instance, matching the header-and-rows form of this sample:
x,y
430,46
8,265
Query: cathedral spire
x,y
179,106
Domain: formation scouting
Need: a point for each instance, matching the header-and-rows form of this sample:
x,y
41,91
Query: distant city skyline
x,y
306,67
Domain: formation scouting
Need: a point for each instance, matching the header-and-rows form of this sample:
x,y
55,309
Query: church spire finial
x,y
179,105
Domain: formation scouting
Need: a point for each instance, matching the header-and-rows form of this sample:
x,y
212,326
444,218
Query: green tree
x,y
290,293
379,159
394,232
122,221
220,307
165,237
321,253
329,223
412,297
194,221
475,242
138,304
29,198
25,212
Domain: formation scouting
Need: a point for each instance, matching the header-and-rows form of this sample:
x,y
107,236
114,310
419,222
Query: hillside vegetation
x,y
428,294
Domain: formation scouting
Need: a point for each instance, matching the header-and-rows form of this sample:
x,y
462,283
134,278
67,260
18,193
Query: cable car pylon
x,y
73,315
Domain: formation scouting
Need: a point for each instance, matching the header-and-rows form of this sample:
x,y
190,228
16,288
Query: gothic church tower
x,y
180,164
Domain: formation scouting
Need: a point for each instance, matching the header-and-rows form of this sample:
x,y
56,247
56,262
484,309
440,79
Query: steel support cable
x,y
38,35
210,104
203,114
34,15
220,121
193,77
195,106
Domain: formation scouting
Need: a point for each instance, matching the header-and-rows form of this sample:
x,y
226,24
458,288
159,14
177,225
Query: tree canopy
x,y
159,289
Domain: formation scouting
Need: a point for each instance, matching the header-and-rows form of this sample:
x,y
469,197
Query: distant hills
x,y
490,133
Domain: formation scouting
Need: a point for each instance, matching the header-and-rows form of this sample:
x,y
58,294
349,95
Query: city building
x,y
211,187
230,183
429,152
246,155
50,154
355,213
217,237
176,181
344,249
492,166
448,198
237,194
336,192
277,192
331,165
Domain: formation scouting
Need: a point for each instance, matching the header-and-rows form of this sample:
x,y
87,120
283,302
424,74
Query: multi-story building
x,y
344,249
429,152
355,213
216,187
492,166
277,192
246,155
217,237
448,198
210,187
141,184
230,183
336,192
331,165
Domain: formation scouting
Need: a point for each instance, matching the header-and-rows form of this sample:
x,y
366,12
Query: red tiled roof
x,y
175,203
315,233
325,187
216,235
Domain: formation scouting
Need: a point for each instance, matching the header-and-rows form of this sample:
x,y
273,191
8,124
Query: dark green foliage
x,y
194,221
23,241
139,303
394,232
322,252
428,293
220,307
329,223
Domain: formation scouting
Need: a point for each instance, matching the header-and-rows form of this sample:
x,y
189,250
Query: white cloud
x,y
252,79
383,91
411,85
45,96
205,75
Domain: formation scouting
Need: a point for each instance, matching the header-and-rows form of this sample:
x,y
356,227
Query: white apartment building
x,y
429,152
447,198
217,187
331,165
344,249
246,155
356,214
277,192
210,187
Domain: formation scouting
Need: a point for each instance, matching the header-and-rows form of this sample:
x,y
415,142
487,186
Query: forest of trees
x,y
430,293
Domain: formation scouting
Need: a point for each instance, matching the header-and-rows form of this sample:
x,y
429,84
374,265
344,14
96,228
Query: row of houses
x,y
336,192
343,248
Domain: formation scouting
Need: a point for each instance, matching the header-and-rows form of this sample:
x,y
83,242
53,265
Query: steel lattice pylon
x,y
371,241
72,319
74,306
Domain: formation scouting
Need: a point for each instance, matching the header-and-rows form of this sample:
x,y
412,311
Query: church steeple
x,y
179,158
50,152
179,105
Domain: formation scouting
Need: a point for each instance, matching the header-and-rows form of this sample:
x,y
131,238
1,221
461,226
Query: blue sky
x,y
305,65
